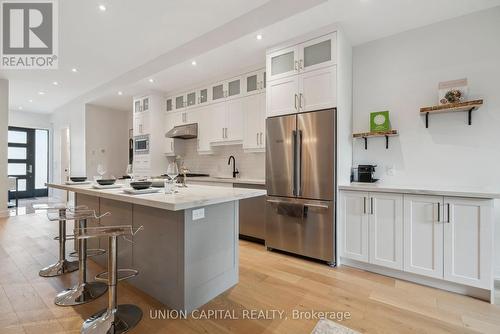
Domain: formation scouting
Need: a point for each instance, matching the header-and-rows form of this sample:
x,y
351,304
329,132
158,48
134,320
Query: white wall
x,y
401,74
106,140
4,125
26,119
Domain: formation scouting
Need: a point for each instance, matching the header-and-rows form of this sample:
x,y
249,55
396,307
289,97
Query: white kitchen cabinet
x,y
218,91
318,53
180,102
169,104
386,230
283,63
423,235
354,220
142,104
228,89
254,109
227,122
203,95
202,116
282,96
318,89
172,119
254,82
141,124
468,241
372,225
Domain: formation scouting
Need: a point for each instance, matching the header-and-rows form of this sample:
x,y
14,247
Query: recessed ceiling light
x,y
120,93
193,63
259,37
30,100
151,80
55,83
102,8
41,93
74,70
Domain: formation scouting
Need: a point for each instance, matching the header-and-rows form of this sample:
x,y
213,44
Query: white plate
x,y
109,186
76,183
132,191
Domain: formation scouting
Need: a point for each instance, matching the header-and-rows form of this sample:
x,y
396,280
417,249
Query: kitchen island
x,y
187,253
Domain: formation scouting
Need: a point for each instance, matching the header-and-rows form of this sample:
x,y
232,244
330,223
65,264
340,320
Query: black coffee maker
x,y
365,173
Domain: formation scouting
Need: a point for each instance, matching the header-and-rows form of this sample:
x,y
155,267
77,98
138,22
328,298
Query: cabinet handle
x,y
364,205
223,133
439,213
261,142
296,97
301,96
371,205
257,139
448,209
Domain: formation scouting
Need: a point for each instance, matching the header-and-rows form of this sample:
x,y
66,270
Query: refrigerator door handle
x,y
312,205
294,154
298,166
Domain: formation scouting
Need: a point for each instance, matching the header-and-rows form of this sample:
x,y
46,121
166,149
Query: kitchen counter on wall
x,y
215,179
187,198
458,191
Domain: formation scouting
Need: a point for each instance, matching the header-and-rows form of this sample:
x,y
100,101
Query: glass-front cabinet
x,y
318,53
202,95
180,102
218,91
169,104
254,82
283,63
190,99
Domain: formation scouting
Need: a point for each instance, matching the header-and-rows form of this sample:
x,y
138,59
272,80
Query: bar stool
x,y
62,266
84,291
115,319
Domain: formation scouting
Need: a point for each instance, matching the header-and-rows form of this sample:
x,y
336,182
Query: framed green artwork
x,y
379,121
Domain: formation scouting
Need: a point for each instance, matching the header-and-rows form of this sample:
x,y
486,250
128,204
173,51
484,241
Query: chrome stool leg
x,y
62,266
116,319
84,291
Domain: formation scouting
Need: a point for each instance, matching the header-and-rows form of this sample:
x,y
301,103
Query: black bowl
x,y
78,178
140,185
106,182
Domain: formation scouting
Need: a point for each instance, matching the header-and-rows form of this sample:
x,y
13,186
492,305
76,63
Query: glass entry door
x,y
28,161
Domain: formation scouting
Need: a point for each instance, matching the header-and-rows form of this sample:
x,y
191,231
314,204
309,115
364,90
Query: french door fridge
x,y
300,181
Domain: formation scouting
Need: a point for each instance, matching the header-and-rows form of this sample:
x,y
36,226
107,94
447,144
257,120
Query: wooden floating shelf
x,y
468,106
366,135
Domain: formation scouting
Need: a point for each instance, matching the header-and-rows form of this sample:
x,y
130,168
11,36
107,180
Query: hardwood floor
x,y
268,281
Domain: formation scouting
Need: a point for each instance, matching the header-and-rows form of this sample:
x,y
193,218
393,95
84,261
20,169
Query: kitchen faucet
x,y
235,171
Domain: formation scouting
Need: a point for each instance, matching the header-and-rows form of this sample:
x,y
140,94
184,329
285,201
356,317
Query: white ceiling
x,y
120,49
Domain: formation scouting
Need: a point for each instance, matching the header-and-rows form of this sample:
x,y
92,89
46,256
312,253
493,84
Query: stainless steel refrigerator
x,y
300,181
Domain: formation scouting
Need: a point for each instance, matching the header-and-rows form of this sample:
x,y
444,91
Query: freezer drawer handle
x,y
311,205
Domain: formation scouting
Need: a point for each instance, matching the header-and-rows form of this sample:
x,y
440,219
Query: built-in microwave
x,y
141,144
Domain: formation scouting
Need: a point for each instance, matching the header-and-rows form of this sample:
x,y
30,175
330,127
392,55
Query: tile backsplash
x,y
250,165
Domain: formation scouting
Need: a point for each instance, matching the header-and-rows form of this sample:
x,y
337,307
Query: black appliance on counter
x,y
365,173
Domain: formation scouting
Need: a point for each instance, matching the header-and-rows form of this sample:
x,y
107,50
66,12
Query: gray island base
x,y
186,257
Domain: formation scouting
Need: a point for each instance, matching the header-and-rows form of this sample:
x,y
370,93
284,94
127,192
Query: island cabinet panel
x,y
157,255
120,214
91,202
211,252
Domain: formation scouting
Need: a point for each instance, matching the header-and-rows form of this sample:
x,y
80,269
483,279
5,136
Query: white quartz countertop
x,y
187,198
475,192
216,179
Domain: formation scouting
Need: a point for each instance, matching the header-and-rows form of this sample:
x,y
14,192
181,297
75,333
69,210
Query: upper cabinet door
x,y
218,92
354,224
234,120
253,117
282,96
234,88
318,53
386,230
145,104
203,95
190,99
318,89
137,106
468,241
254,82
282,63
180,102
423,235
169,104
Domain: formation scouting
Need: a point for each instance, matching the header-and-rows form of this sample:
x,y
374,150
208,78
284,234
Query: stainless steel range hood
x,y
187,131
